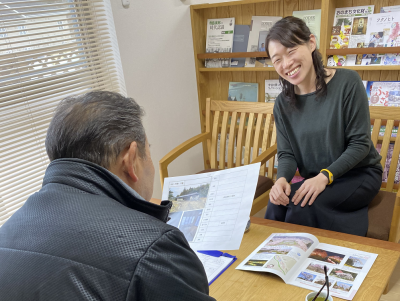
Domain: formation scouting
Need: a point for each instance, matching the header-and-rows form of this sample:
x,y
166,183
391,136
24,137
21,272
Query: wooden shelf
x,y
369,68
362,50
214,82
239,69
230,3
223,55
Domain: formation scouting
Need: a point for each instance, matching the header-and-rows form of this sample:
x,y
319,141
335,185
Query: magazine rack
x,y
214,82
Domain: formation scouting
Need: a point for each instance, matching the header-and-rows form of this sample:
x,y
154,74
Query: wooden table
x,y
245,285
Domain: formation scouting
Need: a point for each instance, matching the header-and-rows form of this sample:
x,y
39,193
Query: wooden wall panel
x,y
236,11
306,5
248,10
289,6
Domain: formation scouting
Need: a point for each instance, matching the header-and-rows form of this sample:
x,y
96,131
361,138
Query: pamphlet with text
x,y
299,259
212,209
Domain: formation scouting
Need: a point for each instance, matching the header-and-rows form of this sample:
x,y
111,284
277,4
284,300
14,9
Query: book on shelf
x,y
262,61
220,34
391,59
313,20
350,26
299,259
272,89
389,9
240,41
336,60
388,161
239,91
258,24
368,89
383,30
383,93
365,83
366,59
382,130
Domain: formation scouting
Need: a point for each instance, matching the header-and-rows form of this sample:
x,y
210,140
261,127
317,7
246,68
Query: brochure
x,y
312,19
350,26
389,157
258,24
212,209
383,30
336,60
240,41
272,89
388,9
263,61
299,259
240,91
219,39
384,94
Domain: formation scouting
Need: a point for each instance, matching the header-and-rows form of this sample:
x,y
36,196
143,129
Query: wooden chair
x,y
236,133
384,211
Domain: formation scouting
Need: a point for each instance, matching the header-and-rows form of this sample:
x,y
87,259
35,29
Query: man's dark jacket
x,y
87,236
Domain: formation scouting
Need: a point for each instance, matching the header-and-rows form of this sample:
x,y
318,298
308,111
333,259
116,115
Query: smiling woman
x,y
295,56
323,129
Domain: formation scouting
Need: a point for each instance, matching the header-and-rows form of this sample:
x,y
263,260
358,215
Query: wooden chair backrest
x,y
388,146
236,125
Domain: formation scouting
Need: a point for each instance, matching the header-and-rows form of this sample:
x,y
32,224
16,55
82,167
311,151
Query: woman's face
x,y
293,64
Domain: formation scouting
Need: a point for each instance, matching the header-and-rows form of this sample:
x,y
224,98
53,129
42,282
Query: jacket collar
x,y
94,179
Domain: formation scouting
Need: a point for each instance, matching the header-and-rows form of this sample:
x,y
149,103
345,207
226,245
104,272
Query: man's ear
x,y
130,161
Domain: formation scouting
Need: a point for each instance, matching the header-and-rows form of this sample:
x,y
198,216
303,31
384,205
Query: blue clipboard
x,y
219,254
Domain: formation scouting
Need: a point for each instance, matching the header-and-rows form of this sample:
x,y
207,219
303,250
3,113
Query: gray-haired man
x,y
90,232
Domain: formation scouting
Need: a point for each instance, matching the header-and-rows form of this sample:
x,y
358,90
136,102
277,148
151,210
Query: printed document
x,y
299,259
212,209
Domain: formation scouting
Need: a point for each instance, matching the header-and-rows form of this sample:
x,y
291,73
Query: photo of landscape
x,y
345,275
342,286
275,250
256,263
326,256
189,223
319,268
188,197
321,281
306,276
355,262
301,242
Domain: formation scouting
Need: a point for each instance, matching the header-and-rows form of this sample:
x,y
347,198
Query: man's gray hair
x,y
96,127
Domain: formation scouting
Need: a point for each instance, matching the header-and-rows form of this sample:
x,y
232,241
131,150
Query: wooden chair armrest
x,y
394,227
179,150
266,155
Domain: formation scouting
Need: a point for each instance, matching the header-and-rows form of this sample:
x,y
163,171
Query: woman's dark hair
x,y
290,32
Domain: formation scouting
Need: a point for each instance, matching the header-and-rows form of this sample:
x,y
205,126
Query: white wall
x,y
155,43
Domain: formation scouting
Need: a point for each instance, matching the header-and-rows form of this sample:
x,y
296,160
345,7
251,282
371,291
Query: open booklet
x,y
299,259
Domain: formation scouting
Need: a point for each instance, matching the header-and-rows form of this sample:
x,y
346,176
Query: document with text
x,y
299,259
212,209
